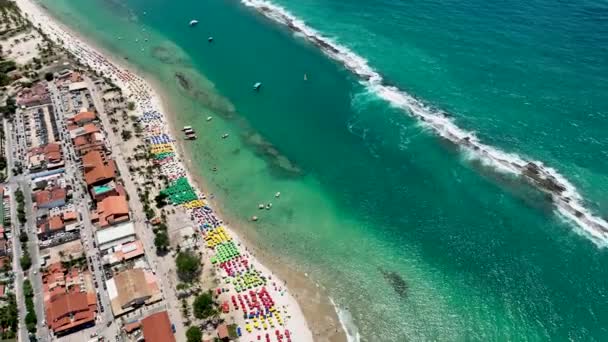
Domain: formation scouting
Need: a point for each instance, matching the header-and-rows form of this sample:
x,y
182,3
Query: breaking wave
x,y
567,200
348,325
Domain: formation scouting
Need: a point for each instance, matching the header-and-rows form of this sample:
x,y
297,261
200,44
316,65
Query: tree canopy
x,y
188,266
204,306
194,334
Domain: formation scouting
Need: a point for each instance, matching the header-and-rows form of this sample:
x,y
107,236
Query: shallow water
x,y
409,235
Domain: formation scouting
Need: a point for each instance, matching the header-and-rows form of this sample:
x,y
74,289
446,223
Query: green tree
x,y
126,135
23,237
48,76
161,241
30,317
26,262
188,266
204,306
194,334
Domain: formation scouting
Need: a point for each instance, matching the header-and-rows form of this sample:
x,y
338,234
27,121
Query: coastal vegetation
x,y
188,266
194,334
204,306
6,66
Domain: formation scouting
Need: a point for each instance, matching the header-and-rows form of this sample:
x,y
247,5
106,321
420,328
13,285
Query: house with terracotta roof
x,y
87,138
70,311
68,305
47,157
97,170
48,227
157,328
34,96
112,210
82,118
52,198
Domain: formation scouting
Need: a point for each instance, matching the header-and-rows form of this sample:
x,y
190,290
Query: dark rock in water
x,y
396,281
183,81
278,163
545,182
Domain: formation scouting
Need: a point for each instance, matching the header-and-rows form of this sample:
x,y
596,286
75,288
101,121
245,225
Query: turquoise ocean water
x,y
413,237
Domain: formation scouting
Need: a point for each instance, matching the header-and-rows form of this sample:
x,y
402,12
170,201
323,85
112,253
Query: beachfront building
x,y
157,328
113,236
87,138
111,211
97,169
131,289
123,252
99,192
82,119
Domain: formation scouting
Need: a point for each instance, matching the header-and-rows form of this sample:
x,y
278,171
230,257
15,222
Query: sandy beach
x,y
314,318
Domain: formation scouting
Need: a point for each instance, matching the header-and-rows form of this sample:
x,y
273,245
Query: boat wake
x,y
567,200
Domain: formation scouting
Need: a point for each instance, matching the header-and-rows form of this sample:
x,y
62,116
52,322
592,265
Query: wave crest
x,y
564,195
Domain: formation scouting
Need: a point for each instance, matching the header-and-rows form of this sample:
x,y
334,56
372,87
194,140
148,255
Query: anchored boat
x,y
257,86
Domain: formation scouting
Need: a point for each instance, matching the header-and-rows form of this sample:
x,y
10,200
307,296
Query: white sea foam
x,y
565,196
347,322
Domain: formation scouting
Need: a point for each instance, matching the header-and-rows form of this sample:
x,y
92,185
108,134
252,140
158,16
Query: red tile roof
x,y
84,117
69,310
56,223
112,210
157,328
96,169
46,196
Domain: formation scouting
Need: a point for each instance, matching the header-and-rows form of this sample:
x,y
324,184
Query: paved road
x,y
162,265
10,150
17,147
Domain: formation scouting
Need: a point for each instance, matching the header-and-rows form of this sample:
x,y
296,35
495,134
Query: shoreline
x,y
324,312
328,326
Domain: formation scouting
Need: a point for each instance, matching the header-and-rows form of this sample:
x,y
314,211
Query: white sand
x,y
22,47
138,90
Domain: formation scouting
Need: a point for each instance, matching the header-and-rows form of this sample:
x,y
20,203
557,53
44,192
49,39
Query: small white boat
x,y
209,118
193,22
278,194
257,86
186,128
268,206
210,39
225,135
261,206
